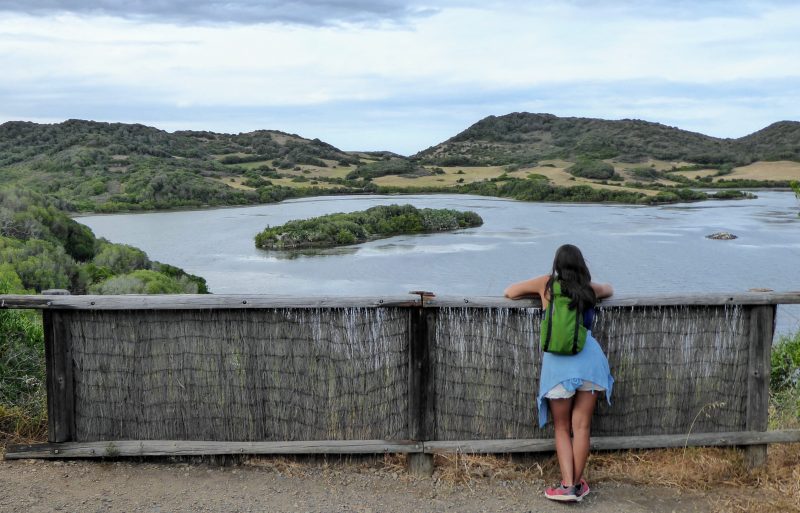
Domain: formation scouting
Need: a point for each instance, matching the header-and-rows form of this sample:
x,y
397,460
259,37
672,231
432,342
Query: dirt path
x,y
91,486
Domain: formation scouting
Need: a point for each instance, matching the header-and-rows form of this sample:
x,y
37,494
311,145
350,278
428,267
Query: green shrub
x,y
145,281
593,169
121,258
646,173
40,264
784,383
785,363
22,373
385,167
537,176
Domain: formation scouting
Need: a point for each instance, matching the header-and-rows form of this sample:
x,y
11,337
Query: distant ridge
x,y
89,165
522,138
111,167
20,140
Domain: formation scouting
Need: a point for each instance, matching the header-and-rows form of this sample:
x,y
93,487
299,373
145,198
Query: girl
x,y
568,383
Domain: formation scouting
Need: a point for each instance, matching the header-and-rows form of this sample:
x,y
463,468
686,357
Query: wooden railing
x,y
418,374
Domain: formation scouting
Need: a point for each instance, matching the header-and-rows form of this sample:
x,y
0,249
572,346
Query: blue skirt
x,y
571,371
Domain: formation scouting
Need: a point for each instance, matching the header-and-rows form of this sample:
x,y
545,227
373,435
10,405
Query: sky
x,y
399,75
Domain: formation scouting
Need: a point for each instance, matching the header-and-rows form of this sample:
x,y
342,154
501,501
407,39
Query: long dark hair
x,y
570,269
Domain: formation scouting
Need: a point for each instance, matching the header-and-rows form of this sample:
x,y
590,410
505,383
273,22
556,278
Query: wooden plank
x,y
421,386
416,356
238,301
746,298
199,302
60,396
197,448
620,442
420,397
762,328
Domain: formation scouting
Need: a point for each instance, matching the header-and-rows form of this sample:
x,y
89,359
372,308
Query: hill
x,y
525,138
109,167
114,166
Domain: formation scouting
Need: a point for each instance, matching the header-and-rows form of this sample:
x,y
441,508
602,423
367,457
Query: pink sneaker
x,y
582,490
561,493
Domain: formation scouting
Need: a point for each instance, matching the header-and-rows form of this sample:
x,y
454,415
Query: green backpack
x,y
562,329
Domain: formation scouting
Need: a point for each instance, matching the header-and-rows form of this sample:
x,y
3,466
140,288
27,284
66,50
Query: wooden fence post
x,y
60,396
762,327
420,391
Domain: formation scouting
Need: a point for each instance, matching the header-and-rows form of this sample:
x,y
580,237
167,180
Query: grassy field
x,y
451,177
554,170
693,175
779,170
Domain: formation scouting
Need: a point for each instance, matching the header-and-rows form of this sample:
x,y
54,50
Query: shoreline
x,y
75,215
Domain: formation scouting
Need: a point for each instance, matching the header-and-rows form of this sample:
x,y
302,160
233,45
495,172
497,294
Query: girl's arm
x,y
528,287
602,290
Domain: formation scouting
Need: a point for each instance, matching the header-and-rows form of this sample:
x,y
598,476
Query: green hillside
x,y
42,248
113,166
109,167
525,138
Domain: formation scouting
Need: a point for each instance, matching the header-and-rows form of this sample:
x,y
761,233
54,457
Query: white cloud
x,y
468,58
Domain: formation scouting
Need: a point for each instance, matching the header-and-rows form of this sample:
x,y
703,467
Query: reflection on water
x,y
293,254
641,250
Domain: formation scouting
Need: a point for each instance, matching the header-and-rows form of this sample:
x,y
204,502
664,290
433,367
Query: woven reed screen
x,y
343,373
246,375
675,368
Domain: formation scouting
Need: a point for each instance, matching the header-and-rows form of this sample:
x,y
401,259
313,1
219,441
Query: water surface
x,y
639,249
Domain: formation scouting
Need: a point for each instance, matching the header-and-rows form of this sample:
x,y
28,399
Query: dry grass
x,y
234,182
779,170
699,173
720,472
467,468
450,177
660,165
773,488
18,426
279,464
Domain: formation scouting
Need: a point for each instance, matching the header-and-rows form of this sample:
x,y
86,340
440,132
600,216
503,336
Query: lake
x,y
639,249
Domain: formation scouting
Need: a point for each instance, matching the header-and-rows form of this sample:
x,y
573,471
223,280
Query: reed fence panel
x,y
372,374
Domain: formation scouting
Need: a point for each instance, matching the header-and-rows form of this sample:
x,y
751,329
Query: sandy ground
x,y
126,486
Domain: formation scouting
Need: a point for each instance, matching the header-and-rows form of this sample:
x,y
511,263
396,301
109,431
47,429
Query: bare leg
x,y
562,414
581,425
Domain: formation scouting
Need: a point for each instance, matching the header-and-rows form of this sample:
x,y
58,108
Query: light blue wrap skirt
x,y
571,371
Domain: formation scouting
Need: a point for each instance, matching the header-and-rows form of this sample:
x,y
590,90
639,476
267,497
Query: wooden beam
x,y
762,326
199,302
613,443
60,394
738,298
420,386
112,449
200,448
239,301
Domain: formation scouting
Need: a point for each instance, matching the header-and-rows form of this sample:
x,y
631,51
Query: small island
x,y
722,236
356,227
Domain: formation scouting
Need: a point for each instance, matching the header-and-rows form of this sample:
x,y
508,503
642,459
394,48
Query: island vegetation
x,y
356,227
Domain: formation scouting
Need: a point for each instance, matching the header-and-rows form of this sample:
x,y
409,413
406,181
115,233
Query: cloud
x,y
410,122
303,12
401,86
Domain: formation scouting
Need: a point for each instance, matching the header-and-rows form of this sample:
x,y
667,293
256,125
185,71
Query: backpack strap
x,y
578,320
549,324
